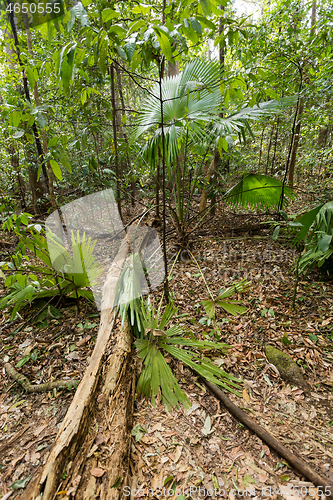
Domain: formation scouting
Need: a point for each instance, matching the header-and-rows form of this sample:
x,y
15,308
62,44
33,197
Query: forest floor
x,y
204,447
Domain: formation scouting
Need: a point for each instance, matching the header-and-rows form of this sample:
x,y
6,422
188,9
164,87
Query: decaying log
x,y
76,435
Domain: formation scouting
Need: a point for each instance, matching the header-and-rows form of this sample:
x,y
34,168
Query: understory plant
x,y
186,110
316,232
162,339
157,338
33,276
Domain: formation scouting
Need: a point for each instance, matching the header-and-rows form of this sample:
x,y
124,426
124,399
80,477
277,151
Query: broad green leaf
x,y
19,484
164,43
206,9
23,361
56,169
324,242
231,308
108,14
195,25
276,233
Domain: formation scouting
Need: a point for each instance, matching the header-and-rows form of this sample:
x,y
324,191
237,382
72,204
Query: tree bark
x,y
44,137
275,145
209,172
260,148
115,139
269,148
301,105
213,169
124,135
295,144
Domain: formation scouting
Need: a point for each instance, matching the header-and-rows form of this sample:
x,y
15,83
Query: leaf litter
x,y
204,446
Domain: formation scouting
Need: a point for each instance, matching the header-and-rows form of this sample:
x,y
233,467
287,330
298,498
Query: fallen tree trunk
x,y
75,440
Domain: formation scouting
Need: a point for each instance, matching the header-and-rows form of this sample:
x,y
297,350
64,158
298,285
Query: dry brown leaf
x,y
157,427
83,341
39,430
246,396
97,472
178,452
34,457
99,439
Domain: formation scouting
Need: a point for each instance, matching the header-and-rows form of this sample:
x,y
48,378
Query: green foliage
x,y
128,294
255,191
157,380
318,243
231,307
192,101
30,281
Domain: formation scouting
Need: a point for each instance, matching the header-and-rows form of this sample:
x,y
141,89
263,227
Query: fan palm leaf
x,y
192,101
257,191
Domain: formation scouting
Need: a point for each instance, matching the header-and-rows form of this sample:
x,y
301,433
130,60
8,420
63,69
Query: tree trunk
x,y
173,68
14,161
124,135
269,148
217,158
295,144
115,139
14,55
275,145
260,149
301,105
203,199
213,169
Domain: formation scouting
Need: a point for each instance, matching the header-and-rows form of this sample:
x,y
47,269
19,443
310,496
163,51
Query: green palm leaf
x,y
157,380
256,191
191,102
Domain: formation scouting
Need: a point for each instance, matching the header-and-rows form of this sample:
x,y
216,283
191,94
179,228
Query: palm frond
x,y
256,191
156,380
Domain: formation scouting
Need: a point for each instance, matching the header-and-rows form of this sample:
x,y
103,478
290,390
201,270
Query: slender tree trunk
x,y
212,172
295,145
313,18
217,158
115,139
275,145
124,134
44,138
301,106
269,148
260,149
173,68
14,161
209,171
14,55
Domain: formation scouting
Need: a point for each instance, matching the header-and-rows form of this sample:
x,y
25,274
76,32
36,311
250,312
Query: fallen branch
x,y
48,386
297,463
10,441
5,243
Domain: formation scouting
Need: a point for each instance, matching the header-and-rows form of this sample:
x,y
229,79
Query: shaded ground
x,y
204,447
